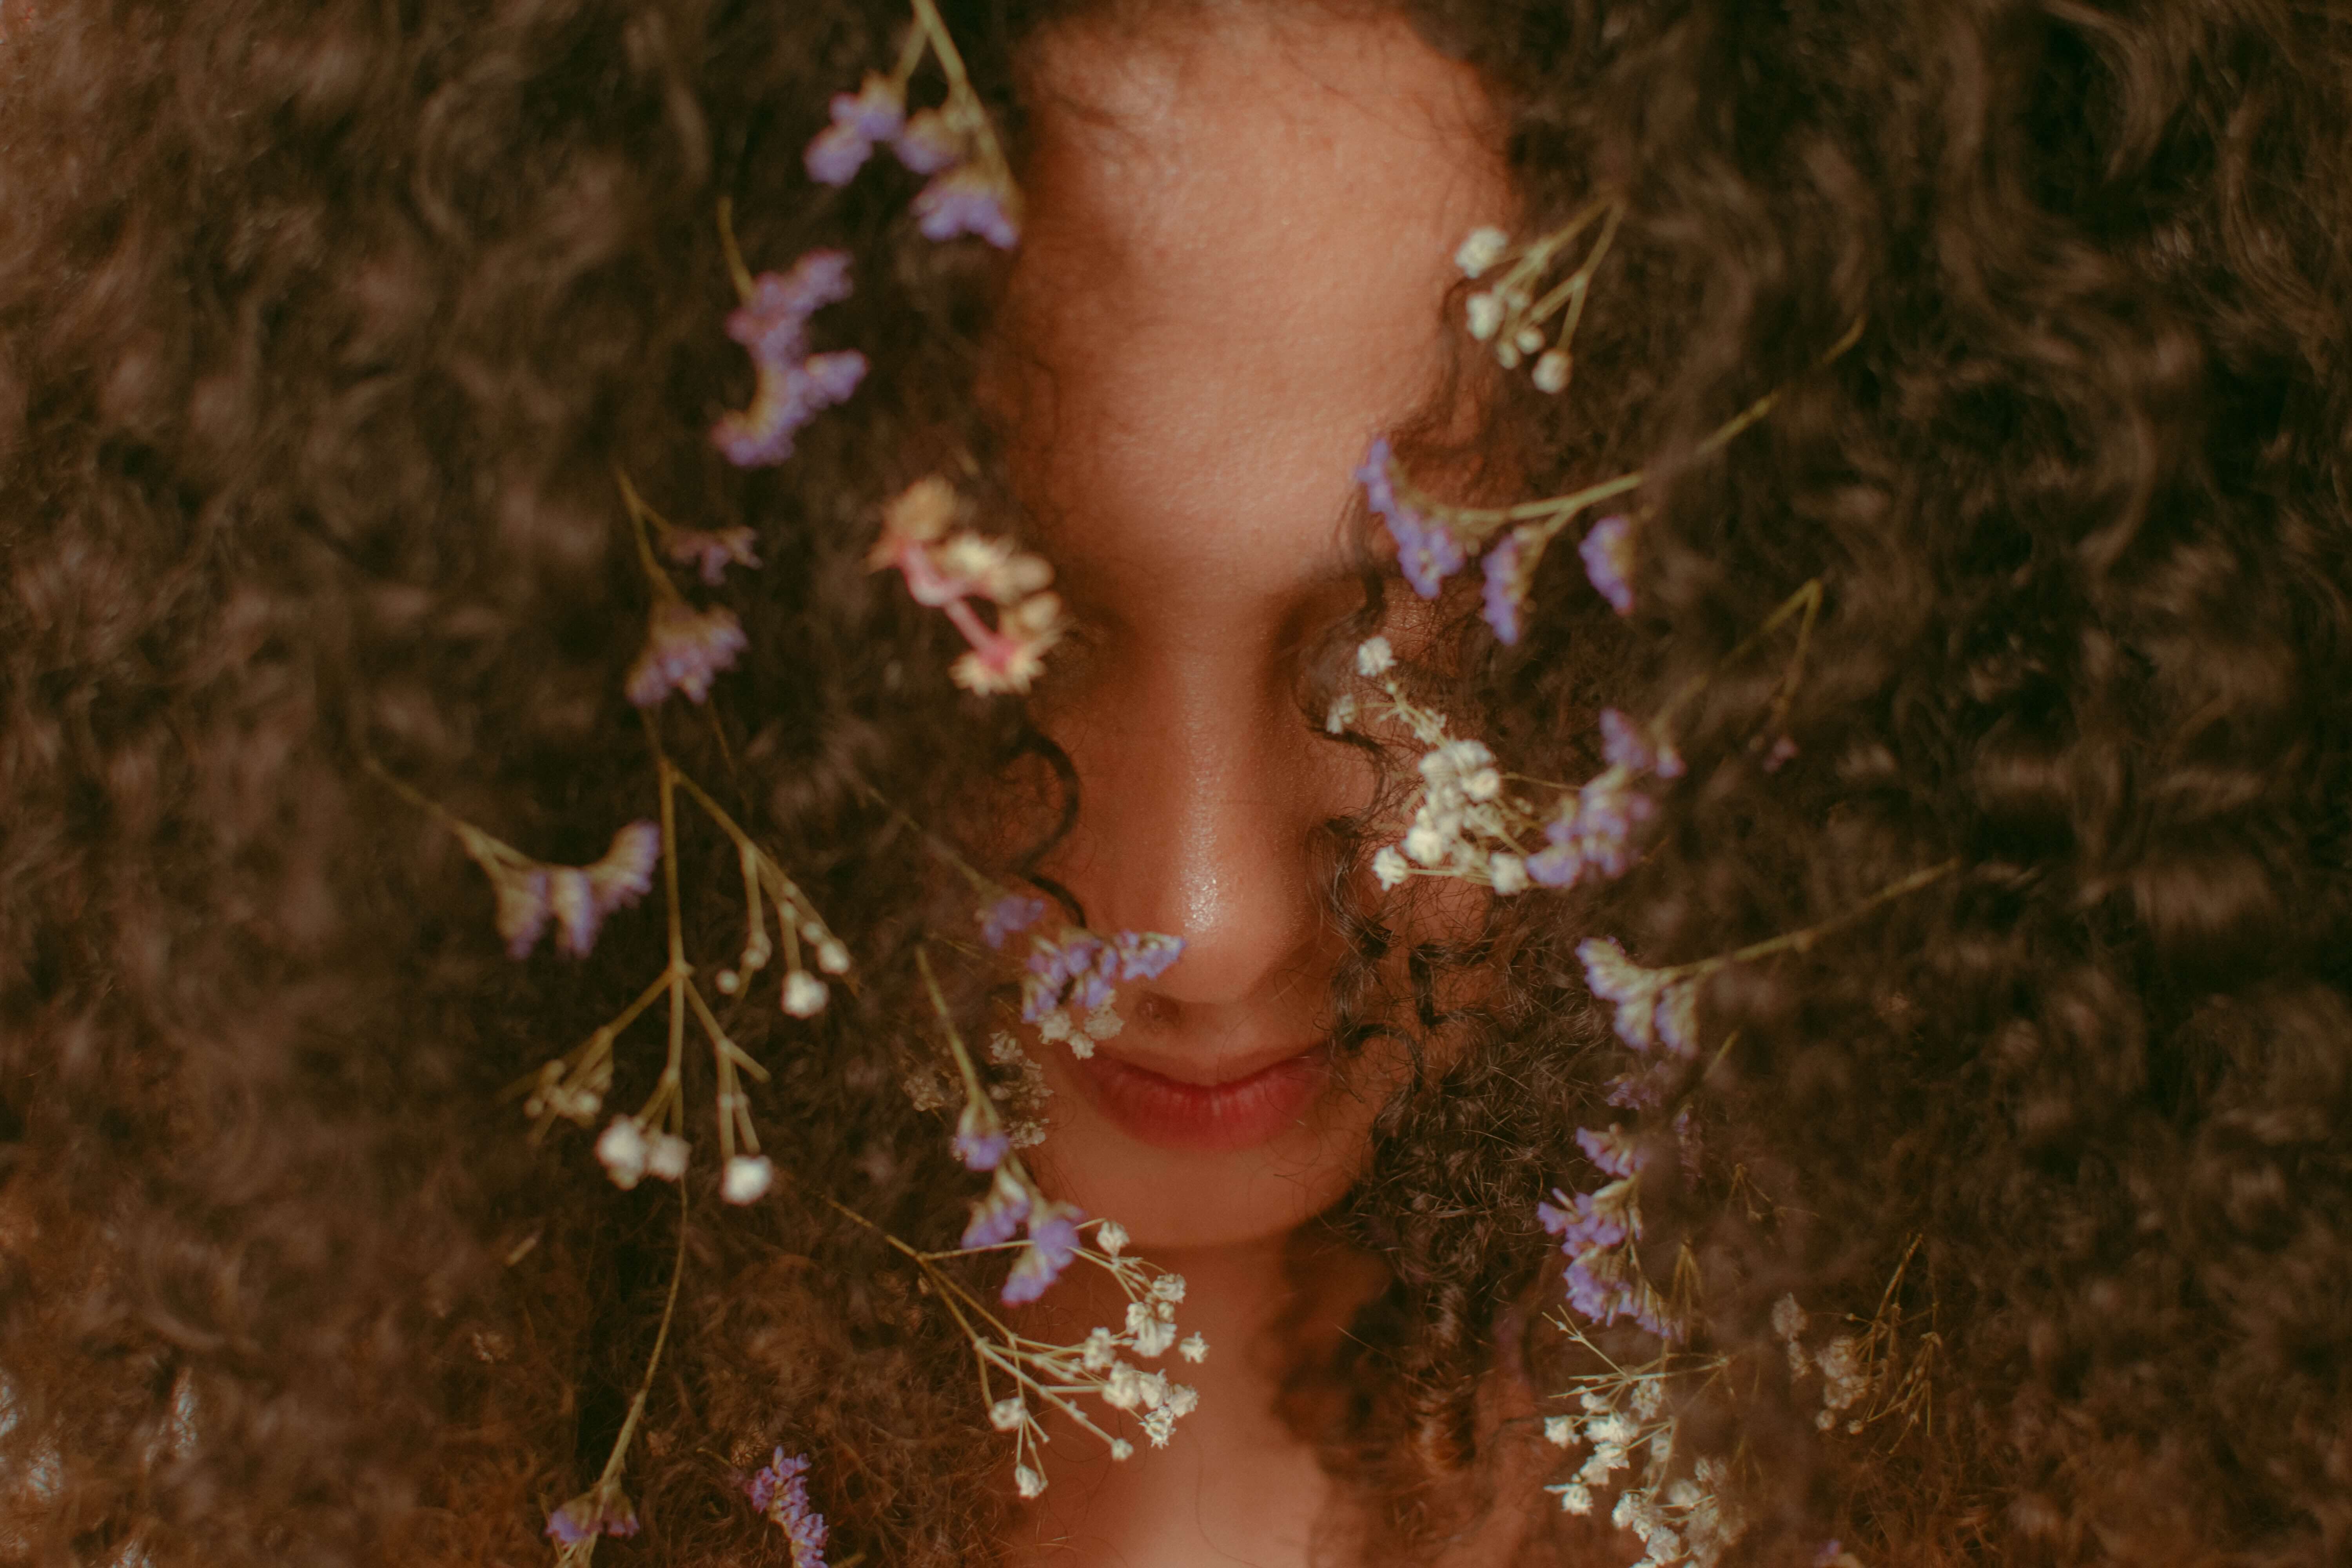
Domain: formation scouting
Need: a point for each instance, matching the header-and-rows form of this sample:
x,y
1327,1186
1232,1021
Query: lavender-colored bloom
x,y
781,1492
1145,955
787,395
1502,569
996,1217
1608,551
1586,1220
1053,1243
601,1510
522,908
927,145
1624,746
1004,918
685,650
711,553
872,114
980,1140
1614,1151
1562,863
772,321
1427,551
964,201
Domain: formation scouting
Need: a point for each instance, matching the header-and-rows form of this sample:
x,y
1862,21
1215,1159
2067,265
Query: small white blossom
x,y
1123,1389
1788,1318
803,995
1006,1414
1551,371
1390,868
1560,1431
1342,713
1425,844
1111,1238
1054,1026
1103,1024
1194,1349
1169,1287
1027,1482
1159,1426
1374,658
666,1156
622,1151
1154,1338
832,957
1483,315
1509,874
1098,1351
1527,340
1575,1498
1120,1448
1481,249
1182,1399
747,1179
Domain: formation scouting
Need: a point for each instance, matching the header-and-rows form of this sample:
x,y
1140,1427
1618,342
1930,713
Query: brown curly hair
x,y
325,324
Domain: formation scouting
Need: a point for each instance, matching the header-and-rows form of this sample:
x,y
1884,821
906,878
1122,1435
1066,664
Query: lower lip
x,y
1171,1114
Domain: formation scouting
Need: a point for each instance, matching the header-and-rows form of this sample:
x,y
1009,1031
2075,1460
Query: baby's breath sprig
x,y
1511,316
1867,1376
1625,1421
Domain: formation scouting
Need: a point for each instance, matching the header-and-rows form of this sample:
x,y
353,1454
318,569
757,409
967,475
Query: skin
x,y
1234,273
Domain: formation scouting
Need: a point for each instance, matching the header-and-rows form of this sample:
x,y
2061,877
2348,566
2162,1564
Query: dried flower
x,y
781,1493
997,1216
929,144
666,1156
1480,250
603,1510
1004,918
711,553
1111,1237
1053,1243
1427,551
1374,658
1503,591
685,650
1551,373
874,113
804,994
966,200
793,386
1608,553
1027,1482
622,1149
747,1178
980,1140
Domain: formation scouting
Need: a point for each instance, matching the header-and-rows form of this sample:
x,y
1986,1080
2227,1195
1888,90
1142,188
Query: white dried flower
x,y
1027,1482
1120,1448
1390,868
1104,1023
1527,340
1484,316
1342,713
1560,1431
1123,1389
1159,1426
1194,1349
1575,1498
1100,1350
1006,1414
803,995
1154,1338
832,957
666,1156
1169,1287
1788,1318
1509,874
622,1151
1425,844
1182,1399
1551,371
747,1179
1374,658
1054,1026
1111,1238
1481,249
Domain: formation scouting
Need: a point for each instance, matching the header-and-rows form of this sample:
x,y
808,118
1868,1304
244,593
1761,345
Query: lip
x,y
1238,1113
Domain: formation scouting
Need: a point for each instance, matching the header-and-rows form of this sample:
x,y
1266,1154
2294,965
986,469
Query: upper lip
x,y
1212,1073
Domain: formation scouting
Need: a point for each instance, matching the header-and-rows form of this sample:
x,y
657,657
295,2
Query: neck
x,y
1235,1484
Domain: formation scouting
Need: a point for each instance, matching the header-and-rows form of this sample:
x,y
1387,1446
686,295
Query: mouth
x,y
1238,1112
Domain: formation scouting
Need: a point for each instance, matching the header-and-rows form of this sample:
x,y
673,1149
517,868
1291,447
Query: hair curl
x,y
324,327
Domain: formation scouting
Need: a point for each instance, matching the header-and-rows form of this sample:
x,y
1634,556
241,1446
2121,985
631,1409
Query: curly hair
x,y
325,326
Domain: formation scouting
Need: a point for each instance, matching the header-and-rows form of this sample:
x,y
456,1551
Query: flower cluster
x,y
780,1492
577,898
603,1510
946,570
685,648
1868,1376
970,190
1598,1229
793,385
1048,1376
1624,1423
1509,313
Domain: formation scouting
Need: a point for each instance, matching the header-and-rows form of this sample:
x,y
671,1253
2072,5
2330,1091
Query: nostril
x,y
1154,1008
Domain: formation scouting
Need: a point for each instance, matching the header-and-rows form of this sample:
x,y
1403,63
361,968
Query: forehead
x,y
1237,249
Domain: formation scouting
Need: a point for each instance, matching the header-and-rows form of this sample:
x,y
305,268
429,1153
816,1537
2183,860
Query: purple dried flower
x,y
1427,551
1502,569
774,319
927,145
577,897
1614,1151
786,397
1563,862
1145,955
601,1510
711,553
1608,809
781,1492
1004,918
996,1217
1587,1220
522,908
980,1140
1608,551
1053,1243
965,201
685,650
872,114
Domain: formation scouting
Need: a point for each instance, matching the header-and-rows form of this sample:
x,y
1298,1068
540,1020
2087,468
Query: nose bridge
x,y
1198,808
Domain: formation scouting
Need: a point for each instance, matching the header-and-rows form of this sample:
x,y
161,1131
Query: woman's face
x,y
1237,253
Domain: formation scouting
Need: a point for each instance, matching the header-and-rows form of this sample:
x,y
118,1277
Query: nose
x,y
1202,797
